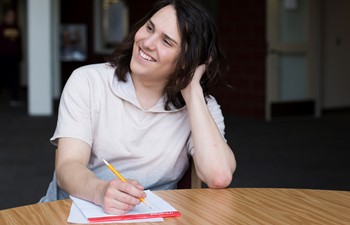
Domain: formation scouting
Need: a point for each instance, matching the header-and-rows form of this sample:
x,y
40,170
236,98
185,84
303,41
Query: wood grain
x,y
219,206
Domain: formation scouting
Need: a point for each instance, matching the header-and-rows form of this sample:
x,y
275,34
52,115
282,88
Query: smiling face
x,y
157,45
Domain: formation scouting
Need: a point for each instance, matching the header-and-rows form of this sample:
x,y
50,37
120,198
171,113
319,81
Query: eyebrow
x,y
165,35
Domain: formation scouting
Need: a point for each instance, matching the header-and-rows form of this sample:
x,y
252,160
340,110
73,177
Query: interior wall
x,y
336,55
242,29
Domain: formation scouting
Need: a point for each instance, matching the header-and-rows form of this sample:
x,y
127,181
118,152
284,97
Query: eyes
x,y
167,43
165,39
149,27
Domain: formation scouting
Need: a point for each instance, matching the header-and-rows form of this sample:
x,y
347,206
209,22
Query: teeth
x,y
143,55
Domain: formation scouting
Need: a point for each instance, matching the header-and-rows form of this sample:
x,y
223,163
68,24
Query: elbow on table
x,y
222,178
220,181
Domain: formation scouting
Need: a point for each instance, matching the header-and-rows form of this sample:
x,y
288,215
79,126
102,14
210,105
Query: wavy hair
x,y
199,45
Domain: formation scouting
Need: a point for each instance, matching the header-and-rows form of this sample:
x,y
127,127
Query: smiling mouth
x,y
145,56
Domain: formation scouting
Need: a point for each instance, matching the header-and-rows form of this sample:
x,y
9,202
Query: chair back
x,y
190,180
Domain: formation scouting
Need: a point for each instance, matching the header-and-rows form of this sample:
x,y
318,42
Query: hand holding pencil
x,y
122,179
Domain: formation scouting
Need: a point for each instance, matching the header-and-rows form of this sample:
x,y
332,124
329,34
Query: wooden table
x,y
222,206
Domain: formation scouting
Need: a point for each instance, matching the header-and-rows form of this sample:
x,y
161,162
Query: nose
x,y
150,42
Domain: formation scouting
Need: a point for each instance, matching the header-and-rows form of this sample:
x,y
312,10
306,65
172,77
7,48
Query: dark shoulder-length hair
x,y
199,45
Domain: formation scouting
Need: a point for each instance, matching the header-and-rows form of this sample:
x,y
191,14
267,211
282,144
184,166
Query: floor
x,y
298,152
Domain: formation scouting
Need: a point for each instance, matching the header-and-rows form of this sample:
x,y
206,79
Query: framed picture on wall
x,y
73,46
111,24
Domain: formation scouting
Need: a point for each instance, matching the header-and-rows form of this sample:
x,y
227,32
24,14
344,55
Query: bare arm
x,y
73,176
214,160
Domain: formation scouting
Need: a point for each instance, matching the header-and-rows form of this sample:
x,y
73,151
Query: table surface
x,y
219,206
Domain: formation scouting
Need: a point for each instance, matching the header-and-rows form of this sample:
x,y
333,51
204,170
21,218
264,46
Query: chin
x,y
136,68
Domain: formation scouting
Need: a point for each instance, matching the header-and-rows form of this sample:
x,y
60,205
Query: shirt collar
x,y
126,91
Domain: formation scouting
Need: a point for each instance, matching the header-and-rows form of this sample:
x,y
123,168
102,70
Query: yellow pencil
x,y
122,178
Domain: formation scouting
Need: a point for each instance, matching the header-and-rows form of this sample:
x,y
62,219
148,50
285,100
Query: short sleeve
x,y
216,113
74,114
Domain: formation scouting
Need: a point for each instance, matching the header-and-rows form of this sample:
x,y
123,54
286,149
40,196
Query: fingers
x,y
115,206
136,183
120,197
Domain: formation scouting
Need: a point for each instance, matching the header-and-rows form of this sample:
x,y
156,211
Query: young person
x,y
146,111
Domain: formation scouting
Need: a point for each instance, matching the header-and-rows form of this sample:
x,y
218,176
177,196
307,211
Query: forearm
x,y
214,160
77,180
73,176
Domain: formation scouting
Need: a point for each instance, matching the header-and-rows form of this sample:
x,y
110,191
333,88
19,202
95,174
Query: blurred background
x,y
287,115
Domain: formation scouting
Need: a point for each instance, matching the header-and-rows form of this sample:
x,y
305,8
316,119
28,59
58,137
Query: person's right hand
x,y
118,197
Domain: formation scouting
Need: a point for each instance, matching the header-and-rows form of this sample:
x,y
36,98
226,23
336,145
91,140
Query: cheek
x,y
137,37
171,58
169,64
140,34
169,55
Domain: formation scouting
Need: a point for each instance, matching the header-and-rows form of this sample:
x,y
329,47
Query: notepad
x,y
95,214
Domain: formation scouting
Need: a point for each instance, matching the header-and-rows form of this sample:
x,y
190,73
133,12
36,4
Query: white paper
x,y
75,216
81,209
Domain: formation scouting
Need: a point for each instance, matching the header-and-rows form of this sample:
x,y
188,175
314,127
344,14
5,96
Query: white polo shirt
x,y
151,146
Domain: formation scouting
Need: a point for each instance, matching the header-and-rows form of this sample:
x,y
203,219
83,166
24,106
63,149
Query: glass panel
x,y
111,24
115,21
293,22
292,70
73,42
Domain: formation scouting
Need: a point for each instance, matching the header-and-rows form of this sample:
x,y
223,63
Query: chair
x,y
190,180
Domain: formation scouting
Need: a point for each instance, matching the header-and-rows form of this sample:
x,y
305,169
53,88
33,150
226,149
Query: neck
x,y
148,92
